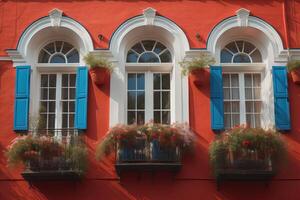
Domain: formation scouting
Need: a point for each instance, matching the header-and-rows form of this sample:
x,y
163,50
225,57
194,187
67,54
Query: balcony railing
x,y
147,156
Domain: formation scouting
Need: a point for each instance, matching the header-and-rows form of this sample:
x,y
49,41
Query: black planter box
x,y
51,175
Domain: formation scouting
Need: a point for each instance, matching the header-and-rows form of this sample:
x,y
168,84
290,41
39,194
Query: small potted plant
x,y
294,68
196,67
100,68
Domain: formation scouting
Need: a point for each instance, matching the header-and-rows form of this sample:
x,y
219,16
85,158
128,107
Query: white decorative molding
x,y
55,16
242,17
149,15
16,57
5,58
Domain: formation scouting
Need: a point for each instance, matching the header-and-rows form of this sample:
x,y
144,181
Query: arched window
x,y
240,52
149,51
58,52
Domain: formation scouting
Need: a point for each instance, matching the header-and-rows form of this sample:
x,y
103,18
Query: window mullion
x,y
148,96
242,99
58,113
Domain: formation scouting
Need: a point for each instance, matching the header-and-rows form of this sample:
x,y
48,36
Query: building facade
x,y
41,59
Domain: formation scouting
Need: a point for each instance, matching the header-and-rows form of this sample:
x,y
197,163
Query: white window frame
x,y
242,99
149,104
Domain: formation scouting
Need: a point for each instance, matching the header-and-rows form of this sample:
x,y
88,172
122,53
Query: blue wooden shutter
x,y
281,98
22,93
216,98
81,98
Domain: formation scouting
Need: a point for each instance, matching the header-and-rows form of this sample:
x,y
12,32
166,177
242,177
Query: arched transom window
x,y
240,52
58,52
149,51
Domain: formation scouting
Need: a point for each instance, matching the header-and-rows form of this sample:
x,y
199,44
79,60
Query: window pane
x,y
72,106
226,93
52,93
165,117
44,94
240,45
226,82
165,100
226,56
156,81
159,47
235,93
131,81
66,48
44,80
257,121
235,119
234,80
138,48
256,80
235,106
241,58
140,81
249,120
43,121
256,56
131,100
166,57
248,47
165,81
257,107
64,121
140,100
131,57
256,93
248,80
73,80
131,117
71,120
157,117
65,106
44,57
148,57
249,107
156,100
50,48
227,121
51,107
72,93
227,107
140,117
73,57
52,80
51,122
148,44
58,45
65,80
58,59
232,47
64,93
248,93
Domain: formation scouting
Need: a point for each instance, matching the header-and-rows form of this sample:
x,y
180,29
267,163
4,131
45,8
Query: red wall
x,y
194,181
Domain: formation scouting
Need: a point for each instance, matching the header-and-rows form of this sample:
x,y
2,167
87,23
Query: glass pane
x,y
73,57
249,120
256,56
226,82
157,117
249,107
72,93
130,117
165,117
50,48
72,80
166,57
131,57
52,93
51,122
226,93
51,107
42,122
156,81
65,106
240,45
43,107
248,80
156,100
256,80
131,100
65,80
159,47
148,57
235,93
235,119
226,56
165,100
235,106
58,45
232,47
64,121
248,47
140,100
165,81
64,93
44,57
248,93
241,58
52,80
44,80
131,82
227,119
140,81
58,59
71,120
256,93
140,117
72,106
138,48
234,80
257,106
148,44
66,48
227,107
44,94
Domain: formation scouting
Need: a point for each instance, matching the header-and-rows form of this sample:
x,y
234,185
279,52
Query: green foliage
x,y
202,61
247,143
293,65
98,61
78,156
